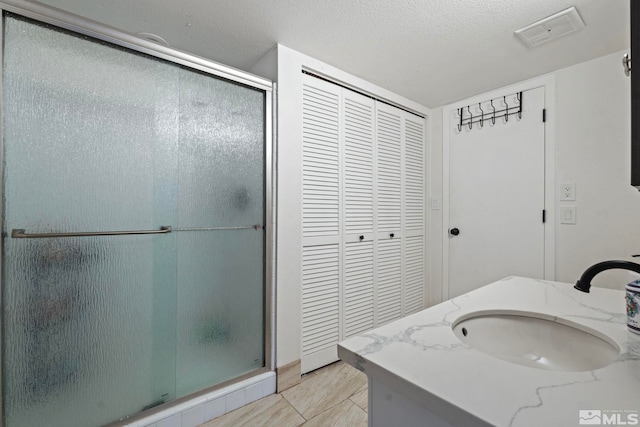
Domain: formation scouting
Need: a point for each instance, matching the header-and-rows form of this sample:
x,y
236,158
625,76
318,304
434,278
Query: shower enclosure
x,y
135,206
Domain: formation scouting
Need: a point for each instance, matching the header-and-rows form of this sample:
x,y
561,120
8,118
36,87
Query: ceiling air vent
x,y
551,28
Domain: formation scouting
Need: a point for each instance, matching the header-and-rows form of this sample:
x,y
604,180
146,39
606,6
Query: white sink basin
x,y
536,340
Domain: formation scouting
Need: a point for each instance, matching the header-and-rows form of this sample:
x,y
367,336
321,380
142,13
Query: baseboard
x,y
288,375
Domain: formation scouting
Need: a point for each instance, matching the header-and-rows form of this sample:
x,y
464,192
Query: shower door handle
x,y
20,233
248,227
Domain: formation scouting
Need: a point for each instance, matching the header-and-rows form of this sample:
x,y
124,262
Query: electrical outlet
x,y
568,192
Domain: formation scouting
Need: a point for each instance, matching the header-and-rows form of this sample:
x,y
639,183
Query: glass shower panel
x,y
90,138
220,253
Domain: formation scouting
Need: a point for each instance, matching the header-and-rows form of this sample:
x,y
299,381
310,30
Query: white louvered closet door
x,y
389,207
358,213
414,260
321,238
363,219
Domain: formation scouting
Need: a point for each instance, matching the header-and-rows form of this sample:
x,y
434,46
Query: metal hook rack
x,y
469,118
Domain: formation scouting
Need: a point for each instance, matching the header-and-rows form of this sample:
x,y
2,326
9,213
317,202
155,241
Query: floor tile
x,y
329,369
361,398
345,414
270,411
325,388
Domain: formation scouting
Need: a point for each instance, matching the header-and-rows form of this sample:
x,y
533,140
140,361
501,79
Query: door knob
x,y
454,231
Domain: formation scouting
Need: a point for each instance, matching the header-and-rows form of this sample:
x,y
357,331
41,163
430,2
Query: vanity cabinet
x,y
420,373
363,216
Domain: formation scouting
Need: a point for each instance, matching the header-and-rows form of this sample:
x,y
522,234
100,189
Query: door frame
x,y
548,82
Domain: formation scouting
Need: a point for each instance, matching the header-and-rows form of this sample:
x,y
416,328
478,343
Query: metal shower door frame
x,y
80,25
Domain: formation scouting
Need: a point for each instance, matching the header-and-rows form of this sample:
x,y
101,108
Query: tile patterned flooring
x,y
335,395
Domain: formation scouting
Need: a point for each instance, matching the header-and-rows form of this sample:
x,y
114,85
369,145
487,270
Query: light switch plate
x,y
435,203
568,192
567,215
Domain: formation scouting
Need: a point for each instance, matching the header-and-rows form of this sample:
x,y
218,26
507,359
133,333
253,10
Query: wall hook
x,y
506,115
519,97
493,117
460,124
626,64
481,114
470,117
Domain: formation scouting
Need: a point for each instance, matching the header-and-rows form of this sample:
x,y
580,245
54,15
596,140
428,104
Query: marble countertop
x,y
420,357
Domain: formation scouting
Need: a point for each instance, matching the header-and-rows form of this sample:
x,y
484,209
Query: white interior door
x,y
496,196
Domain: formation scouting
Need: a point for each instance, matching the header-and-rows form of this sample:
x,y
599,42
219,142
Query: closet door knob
x,y
454,231
361,238
391,235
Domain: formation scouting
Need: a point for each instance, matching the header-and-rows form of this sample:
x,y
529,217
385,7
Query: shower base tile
x,y
210,405
173,421
214,408
235,400
253,393
193,417
269,386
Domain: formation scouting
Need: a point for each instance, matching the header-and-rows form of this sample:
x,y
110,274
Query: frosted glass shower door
x,y
90,144
220,234
96,139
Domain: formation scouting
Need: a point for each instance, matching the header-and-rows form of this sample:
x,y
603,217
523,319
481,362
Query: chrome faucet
x,y
584,283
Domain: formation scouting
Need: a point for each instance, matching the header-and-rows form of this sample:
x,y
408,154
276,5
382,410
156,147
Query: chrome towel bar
x,y
20,233
251,227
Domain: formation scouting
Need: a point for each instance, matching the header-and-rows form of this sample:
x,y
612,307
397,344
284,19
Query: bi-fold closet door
x,y
363,256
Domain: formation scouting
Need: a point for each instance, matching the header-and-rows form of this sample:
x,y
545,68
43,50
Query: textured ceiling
x,y
431,51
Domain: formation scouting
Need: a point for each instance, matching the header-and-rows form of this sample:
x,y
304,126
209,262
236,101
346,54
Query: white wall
x,y
267,67
593,150
592,118
289,163
289,240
